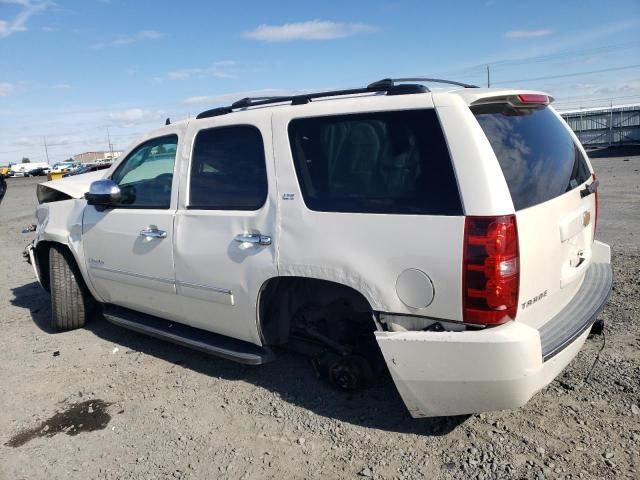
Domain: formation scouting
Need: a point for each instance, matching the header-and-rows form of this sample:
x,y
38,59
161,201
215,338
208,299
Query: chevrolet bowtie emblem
x,y
586,218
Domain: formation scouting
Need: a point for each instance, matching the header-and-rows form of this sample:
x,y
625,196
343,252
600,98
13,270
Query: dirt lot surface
x,y
107,403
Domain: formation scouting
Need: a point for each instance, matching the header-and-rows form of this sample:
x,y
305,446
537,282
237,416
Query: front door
x,y
128,248
225,244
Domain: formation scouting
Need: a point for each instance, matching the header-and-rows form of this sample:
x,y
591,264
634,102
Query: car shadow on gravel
x,y
34,298
290,376
614,152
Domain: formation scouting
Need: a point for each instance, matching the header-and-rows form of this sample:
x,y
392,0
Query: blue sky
x,y
70,69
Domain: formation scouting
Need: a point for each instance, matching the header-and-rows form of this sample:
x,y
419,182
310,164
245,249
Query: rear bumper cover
x,y
455,373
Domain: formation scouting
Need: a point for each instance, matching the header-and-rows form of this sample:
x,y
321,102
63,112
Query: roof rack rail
x,y
391,82
389,86
293,99
249,101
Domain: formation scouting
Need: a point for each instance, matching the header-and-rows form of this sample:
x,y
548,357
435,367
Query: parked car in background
x,y
3,186
445,233
25,169
86,169
62,167
37,172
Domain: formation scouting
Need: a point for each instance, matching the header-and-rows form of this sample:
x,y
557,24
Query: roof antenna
x,y
167,121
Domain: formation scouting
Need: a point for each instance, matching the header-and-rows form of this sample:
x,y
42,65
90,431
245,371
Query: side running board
x,y
195,338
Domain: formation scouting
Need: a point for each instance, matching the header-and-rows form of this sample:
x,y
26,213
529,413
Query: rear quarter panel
x,y
365,251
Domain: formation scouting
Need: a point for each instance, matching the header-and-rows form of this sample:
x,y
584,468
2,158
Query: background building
x,y
90,157
606,126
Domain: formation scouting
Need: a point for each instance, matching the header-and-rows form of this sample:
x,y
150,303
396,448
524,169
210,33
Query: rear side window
x,y
228,170
538,157
382,162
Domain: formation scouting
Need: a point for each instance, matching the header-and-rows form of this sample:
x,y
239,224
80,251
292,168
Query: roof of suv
x,y
386,87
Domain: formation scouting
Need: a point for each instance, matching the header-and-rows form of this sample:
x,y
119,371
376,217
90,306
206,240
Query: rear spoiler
x,y
520,100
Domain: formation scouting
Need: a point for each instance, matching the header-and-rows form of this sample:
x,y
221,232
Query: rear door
x,y
226,238
546,172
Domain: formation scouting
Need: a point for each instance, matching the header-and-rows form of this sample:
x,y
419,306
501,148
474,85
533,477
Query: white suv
x,y
447,234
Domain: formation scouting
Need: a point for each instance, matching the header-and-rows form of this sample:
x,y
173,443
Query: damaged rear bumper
x,y
456,373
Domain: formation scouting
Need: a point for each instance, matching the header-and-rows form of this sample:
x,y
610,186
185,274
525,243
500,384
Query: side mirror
x,y
103,192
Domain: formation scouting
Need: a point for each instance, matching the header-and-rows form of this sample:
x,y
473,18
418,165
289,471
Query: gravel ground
x,y
107,403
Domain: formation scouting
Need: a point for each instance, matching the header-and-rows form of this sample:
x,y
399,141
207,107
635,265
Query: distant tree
x,y
25,160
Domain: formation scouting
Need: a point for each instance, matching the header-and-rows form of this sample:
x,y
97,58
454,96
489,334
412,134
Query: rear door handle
x,y
152,232
253,238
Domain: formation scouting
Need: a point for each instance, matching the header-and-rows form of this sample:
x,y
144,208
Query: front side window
x,y
146,175
228,169
382,162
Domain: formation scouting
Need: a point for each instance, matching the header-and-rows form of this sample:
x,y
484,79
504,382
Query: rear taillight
x,y
491,270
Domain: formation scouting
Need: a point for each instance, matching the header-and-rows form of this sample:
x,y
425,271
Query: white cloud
x,y
180,74
27,9
130,115
5,89
125,40
528,33
26,142
213,100
134,116
221,69
310,30
582,85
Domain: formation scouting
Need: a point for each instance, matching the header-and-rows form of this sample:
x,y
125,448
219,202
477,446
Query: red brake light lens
x,y
595,222
491,270
533,98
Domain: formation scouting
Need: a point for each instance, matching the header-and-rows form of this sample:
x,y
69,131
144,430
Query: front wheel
x,y
69,299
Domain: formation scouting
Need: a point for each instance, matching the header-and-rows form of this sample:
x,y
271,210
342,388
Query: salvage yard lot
x,y
103,402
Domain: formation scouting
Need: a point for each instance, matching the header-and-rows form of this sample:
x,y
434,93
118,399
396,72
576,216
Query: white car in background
x,y
447,234
23,169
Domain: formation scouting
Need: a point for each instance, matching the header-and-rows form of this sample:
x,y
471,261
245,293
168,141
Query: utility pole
x,y
110,144
488,76
610,122
46,150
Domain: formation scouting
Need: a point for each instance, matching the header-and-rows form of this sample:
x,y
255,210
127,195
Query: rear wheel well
x,y
282,298
330,322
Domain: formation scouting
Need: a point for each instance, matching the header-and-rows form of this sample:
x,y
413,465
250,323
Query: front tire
x,y
69,300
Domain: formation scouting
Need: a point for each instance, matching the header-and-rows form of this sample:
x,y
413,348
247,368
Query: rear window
x,y
539,159
383,162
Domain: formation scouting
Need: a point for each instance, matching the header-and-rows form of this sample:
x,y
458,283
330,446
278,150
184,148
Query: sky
x,y
74,73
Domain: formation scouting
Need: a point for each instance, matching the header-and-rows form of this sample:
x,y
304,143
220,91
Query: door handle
x,y
253,238
152,232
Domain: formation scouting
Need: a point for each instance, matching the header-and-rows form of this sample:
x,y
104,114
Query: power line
x,y
566,75
527,60
592,100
